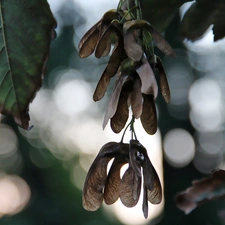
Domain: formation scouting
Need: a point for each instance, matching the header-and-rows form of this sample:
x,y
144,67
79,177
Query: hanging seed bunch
x,y
133,62
99,185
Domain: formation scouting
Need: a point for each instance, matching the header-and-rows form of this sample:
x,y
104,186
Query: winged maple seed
x,y
131,62
138,90
100,185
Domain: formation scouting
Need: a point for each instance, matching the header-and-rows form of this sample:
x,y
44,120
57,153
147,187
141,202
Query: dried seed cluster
x,y
133,62
110,187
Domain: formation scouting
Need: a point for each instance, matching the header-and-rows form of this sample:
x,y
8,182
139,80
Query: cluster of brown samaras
x,y
110,187
133,62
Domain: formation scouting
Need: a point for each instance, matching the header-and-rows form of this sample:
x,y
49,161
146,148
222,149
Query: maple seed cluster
x,y
133,62
110,187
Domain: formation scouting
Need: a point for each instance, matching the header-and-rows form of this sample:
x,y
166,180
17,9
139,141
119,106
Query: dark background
x,y
55,200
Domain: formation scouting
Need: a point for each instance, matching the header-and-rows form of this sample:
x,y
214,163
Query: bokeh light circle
x,y
179,147
14,194
8,140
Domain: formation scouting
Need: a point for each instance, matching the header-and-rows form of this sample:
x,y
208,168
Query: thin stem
x,y
132,128
121,2
147,42
135,135
128,12
131,125
128,5
138,10
125,132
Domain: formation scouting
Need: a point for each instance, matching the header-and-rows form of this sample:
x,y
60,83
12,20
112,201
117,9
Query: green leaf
x,y
219,23
198,18
26,30
159,13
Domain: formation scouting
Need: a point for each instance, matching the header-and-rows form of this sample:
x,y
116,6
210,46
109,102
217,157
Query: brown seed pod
x,y
160,41
113,103
101,87
165,89
104,44
89,41
118,55
132,47
97,174
111,191
155,195
130,188
91,38
136,99
148,81
96,178
118,121
148,116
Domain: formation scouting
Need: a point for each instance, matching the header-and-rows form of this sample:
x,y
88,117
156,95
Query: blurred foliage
x,y
160,13
196,20
54,200
202,191
200,16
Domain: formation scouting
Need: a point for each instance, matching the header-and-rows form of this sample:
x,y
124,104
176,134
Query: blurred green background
x,y
42,171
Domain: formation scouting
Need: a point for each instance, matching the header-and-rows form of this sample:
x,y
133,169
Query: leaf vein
x,y
3,77
8,95
7,55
